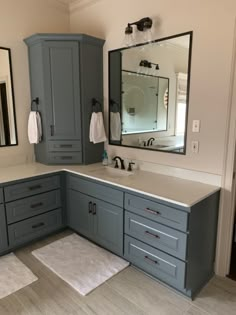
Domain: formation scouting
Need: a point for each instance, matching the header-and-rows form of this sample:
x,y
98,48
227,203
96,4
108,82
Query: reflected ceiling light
x,y
143,25
148,66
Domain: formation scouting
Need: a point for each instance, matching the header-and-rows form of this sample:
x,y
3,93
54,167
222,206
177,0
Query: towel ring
x,y
96,106
36,101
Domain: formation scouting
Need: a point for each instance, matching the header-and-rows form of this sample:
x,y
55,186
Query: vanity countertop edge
x,y
185,193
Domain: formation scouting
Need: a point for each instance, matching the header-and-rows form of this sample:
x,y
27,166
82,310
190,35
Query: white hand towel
x,y
34,127
97,132
115,126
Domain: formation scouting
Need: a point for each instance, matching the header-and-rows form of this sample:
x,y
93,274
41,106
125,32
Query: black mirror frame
x,y
13,98
190,33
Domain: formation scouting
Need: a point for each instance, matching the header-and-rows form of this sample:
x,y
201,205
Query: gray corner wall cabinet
x,y
66,73
171,242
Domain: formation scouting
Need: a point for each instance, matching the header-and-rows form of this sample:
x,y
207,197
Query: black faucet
x,y
149,142
122,166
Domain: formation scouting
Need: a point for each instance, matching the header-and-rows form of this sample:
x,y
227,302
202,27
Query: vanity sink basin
x,y
111,172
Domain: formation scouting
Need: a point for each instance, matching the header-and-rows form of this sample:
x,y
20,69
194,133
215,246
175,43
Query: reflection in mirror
x,y
148,94
8,135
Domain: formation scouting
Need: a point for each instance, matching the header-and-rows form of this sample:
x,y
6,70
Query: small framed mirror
x,y
8,131
149,94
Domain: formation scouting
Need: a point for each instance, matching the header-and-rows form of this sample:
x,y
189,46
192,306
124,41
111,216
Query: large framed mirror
x,y
149,94
8,131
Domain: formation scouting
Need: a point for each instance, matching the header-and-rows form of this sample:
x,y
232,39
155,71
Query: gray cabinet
x,y
66,73
79,213
173,243
3,230
34,208
96,219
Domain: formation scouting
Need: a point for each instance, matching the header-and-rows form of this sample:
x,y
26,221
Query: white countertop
x,y
172,189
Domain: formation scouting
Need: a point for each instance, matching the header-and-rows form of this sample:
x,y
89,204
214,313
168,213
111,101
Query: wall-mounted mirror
x,y
8,133
148,94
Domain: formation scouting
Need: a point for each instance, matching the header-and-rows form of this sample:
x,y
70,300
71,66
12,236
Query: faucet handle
x,y
130,166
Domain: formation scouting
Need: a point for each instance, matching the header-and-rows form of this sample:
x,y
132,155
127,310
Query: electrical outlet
x,y
196,126
195,146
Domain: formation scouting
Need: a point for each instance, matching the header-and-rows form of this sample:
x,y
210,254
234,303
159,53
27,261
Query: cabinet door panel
x,y
108,226
3,230
80,216
62,89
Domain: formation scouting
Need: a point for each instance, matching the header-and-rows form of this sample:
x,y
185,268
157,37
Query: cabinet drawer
x,y
96,190
35,227
157,212
158,264
157,235
32,187
65,157
1,195
64,146
31,206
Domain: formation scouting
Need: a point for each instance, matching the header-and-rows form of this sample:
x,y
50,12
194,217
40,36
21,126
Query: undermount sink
x,y
109,171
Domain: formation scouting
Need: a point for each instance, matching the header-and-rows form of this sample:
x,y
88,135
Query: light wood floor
x,y
130,292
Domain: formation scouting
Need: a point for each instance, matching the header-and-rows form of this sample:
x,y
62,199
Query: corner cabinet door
x,y
61,70
108,226
3,230
79,213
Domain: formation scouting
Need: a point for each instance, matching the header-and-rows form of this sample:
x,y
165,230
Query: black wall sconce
x,y
143,25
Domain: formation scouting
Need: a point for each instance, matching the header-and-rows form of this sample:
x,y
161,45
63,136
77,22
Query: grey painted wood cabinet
x,y
3,230
96,219
66,73
34,208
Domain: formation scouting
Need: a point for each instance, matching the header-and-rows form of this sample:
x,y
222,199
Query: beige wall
x,y
19,19
212,23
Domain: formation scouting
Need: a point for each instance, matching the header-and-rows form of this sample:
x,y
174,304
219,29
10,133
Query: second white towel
x,y
34,127
97,131
115,126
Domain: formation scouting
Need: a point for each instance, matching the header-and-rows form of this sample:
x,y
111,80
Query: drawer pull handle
x,y
151,234
38,225
153,261
66,157
36,205
90,207
35,187
152,211
94,209
52,130
66,146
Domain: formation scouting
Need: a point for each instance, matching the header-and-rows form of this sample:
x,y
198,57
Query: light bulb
x,y
129,40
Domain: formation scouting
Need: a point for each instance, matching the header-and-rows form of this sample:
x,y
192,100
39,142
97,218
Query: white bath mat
x,y
79,262
14,275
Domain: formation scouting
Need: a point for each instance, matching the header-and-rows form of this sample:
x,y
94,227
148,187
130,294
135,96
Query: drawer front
x,y
157,212
31,206
32,187
64,146
1,195
158,264
157,235
96,190
65,157
35,227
